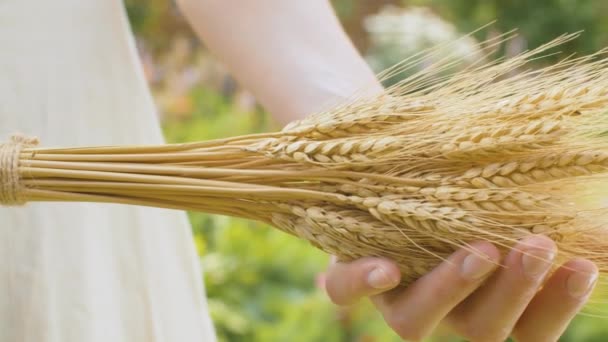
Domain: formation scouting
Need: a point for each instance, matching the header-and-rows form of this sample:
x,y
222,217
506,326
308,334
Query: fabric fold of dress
x,y
74,272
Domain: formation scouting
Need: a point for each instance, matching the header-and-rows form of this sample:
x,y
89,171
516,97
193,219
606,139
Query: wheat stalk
x,y
411,174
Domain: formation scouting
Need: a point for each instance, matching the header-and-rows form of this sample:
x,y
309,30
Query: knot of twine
x,y
10,185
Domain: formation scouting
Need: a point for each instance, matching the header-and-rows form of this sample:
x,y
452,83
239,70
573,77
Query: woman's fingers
x,y
557,303
414,312
347,282
509,302
491,313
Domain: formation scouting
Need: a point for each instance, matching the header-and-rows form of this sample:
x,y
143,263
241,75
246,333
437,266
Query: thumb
x,y
347,282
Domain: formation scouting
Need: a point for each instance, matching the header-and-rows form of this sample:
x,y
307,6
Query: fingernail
x,y
579,283
475,266
536,261
379,279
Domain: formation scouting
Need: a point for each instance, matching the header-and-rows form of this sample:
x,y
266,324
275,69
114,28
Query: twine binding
x,y
10,187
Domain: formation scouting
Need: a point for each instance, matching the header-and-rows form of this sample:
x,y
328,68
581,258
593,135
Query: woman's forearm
x,y
292,54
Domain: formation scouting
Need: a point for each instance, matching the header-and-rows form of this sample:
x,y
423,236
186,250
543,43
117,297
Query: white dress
x,y
69,74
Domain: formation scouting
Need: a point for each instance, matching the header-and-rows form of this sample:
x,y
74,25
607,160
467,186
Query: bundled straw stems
x,y
412,174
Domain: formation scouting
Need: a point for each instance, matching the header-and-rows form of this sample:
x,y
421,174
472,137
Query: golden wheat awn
x,y
412,174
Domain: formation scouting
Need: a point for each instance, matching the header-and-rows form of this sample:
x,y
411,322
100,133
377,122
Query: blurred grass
x,y
215,116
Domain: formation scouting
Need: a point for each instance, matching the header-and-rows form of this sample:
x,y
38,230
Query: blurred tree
x,y
157,22
395,34
538,21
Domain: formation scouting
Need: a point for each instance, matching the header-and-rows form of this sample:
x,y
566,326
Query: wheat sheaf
x,y
492,152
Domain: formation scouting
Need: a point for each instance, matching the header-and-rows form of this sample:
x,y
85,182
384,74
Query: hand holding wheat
x,y
413,174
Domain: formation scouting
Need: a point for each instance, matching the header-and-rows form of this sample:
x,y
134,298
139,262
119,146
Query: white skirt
x,y
69,74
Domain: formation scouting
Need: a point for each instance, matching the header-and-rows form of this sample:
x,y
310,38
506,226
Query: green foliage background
x,y
538,21
262,285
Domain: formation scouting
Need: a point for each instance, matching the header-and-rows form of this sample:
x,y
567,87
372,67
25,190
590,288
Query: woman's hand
x,y
478,299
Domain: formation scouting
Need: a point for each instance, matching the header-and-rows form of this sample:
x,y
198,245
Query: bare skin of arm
x,y
295,57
